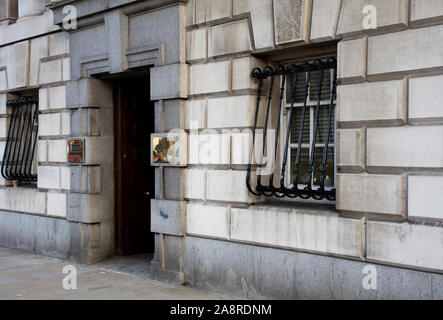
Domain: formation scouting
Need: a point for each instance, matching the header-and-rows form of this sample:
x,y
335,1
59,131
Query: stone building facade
x,y
207,228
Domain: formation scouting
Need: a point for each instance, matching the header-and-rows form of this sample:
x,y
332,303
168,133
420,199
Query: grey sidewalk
x,y
28,276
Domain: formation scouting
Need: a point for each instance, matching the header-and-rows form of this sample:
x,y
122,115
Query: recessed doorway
x,y
134,177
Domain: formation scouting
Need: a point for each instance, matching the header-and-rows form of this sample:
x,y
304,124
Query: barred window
x,y
303,163
18,157
309,127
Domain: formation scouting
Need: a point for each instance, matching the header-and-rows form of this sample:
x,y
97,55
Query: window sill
x,y
292,205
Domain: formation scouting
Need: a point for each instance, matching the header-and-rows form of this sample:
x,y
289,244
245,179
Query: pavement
x,y
27,276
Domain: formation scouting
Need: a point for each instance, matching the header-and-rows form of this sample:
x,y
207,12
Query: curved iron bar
x,y
267,71
328,195
298,192
314,139
292,70
7,151
35,133
256,73
296,69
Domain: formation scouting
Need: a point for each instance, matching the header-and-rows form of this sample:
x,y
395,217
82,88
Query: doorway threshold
x,y
139,265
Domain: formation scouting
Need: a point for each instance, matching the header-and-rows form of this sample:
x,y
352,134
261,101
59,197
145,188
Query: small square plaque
x,y
169,149
76,151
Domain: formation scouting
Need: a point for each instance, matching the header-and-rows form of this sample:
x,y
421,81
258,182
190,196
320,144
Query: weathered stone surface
x,y
437,286
259,272
384,102
324,19
51,71
52,98
209,149
28,8
99,150
54,124
173,111
405,147
352,59
384,57
209,10
28,28
39,50
208,220
168,216
424,196
117,31
425,96
169,82
3,100
173,183
195,114
240,147
241,73
237,192
262,20
195,187
229,38
173,252
57,97
405,244
89,92
310,230
23,200
57,204
356,193
165,25
87,121
426,11
87,53
42,235
89,208
53,177
58,43
389,14
52,150
85,179
21,54
197,44
8,12
3,128
391,283
210,77
231,112
351,150
2,149
245,270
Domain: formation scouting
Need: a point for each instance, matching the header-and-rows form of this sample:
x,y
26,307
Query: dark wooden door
x,y
134,177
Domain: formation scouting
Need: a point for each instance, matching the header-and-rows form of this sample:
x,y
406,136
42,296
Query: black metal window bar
x,y
22,137
293,74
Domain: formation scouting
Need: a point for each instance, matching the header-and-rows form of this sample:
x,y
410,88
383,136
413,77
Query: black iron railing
x,y
22,137
304,190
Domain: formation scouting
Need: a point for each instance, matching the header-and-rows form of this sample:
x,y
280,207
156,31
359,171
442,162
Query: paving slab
x,y
26,276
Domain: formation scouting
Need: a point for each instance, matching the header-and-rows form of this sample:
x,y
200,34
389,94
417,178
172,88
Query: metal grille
x,y
22,136
305,73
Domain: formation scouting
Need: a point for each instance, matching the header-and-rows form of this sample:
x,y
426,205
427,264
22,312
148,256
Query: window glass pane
x,y
303,167
299,90
323,125
329,178
295,125
326,86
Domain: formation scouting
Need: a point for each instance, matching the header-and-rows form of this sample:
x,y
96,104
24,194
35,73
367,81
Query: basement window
x,y
299,111
18,162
